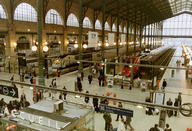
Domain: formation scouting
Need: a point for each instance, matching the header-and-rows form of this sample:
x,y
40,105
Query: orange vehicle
x,y
127,70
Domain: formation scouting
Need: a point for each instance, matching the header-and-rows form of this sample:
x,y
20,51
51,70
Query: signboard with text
x,y
92,39
115,110
9,91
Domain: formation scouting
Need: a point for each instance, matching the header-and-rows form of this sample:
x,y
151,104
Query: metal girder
x,y
45,4
95,17
11,4
85,9
68,4
88,3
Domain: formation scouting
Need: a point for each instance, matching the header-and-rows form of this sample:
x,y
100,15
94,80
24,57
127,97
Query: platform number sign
x,y
9,91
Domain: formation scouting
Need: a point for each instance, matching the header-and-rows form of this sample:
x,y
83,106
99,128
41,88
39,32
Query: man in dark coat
x,y
95,104
176,104
90,78
87,97
155,128
169,112
164,84
107,118
168,128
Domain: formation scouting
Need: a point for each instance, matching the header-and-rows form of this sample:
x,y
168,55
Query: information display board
x,y
115,110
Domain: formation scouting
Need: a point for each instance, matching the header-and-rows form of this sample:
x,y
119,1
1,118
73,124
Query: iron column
x,y
41,79
80,35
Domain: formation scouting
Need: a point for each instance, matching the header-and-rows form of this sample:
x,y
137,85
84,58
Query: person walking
x,y
107,118
155,128
87,98
167,128
90,78
95,104
82,76
176,104
31,80
169,112
99,79
128,122
120,106
164,84
12,78
64,93
179,99
121,126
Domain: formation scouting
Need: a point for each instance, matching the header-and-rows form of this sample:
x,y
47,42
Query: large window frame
x,y
72,20
2,13
25,12
53,17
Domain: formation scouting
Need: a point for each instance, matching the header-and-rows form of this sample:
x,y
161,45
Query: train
x,y
155,57
146,59
89,54
126,71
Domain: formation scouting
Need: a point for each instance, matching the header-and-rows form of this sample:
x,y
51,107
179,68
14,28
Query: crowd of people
x,y
13,105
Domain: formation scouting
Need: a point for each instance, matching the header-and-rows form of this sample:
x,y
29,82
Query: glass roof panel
x,y
178,6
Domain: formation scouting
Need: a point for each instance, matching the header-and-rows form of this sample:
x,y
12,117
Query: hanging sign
x,y
111,38
92,39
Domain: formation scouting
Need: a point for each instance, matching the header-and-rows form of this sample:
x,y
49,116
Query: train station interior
x,y
96,65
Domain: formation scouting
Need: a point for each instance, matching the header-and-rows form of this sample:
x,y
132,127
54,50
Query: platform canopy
x,y
144,10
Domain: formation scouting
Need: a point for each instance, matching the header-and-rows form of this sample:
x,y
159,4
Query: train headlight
x,y
76,45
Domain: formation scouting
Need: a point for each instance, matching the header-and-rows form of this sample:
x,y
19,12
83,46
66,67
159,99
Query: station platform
x,y
140,121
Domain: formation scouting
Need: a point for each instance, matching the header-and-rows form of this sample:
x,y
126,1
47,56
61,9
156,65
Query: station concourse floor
x,y
140,121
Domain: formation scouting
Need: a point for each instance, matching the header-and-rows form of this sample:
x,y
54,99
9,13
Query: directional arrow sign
x,y
9,91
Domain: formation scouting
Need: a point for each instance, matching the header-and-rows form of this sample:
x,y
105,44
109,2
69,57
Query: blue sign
x,y
115,110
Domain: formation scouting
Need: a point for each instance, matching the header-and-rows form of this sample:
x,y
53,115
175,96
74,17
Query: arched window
x,y
25,12
87,23
53,17
114,28
107,26
2,13
120,29
98,25
72,20
125,29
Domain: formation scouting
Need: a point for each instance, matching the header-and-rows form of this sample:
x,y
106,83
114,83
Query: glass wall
x,y
178,26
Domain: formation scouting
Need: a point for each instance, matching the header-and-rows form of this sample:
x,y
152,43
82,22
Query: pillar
x,y
41,79
80,34
103,31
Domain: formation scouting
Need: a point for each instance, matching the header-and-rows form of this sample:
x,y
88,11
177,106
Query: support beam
x,y
118,23
80,70
103,29
135,32
41,79
128,24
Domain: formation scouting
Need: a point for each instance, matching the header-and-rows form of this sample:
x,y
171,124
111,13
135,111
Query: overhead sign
x,y
123,38
115,110
9,91
92,39
111,38
159,98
